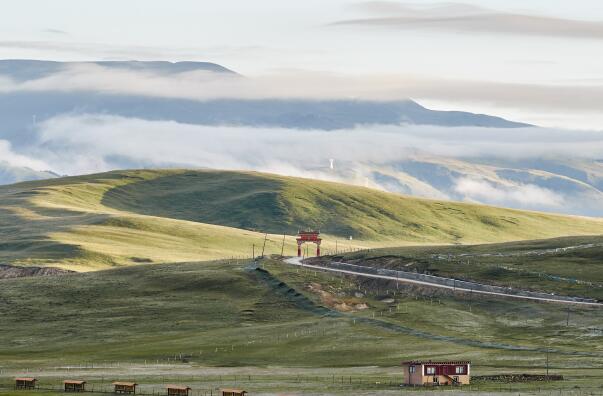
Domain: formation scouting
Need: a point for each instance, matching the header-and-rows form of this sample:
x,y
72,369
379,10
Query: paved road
x,y
556,299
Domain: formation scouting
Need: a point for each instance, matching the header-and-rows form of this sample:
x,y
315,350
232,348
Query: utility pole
x,y
470,298
547,363
568,316
397,279
283,245
253,252
336,246
264,247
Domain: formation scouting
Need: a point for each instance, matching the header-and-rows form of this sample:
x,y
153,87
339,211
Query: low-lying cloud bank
x,y
89,143
94,143
523,196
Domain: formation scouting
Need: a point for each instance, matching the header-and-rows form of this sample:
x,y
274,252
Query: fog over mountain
x,y
72,118
12,174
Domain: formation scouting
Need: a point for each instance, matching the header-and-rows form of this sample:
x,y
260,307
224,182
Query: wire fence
x,y
309,384
451,283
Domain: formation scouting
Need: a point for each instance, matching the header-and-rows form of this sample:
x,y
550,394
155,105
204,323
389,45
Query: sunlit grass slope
x,y
283,204
232,315
277,204
128,217
63,223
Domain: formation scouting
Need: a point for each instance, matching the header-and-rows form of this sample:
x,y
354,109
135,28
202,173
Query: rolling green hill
x,y
283,204
230,313
128,217
234,315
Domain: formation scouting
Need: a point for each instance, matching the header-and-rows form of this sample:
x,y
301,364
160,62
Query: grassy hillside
x,y
62,223
571,265
277,204
132,217
220,314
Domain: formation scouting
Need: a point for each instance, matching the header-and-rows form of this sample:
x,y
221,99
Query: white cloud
x,y
458,17
95,143
89,143
523,195
8,156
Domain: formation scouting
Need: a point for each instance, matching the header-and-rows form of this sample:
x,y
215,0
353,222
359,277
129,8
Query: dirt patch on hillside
x,y
341,304
10,271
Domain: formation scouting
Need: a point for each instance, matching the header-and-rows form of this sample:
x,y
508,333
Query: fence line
x,y
451,283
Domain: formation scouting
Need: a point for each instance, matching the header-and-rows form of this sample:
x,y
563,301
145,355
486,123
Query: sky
x,y
510,58
532,61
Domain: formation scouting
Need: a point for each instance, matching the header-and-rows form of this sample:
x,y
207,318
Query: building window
x,y
455,379
460,370
436,380
412,369
430,370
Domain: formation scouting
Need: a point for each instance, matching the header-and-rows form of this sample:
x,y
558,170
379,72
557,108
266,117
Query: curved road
x,y
298,261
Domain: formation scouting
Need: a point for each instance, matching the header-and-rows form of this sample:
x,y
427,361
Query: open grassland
x,y
285,329
63,223
278,325
130,217
570,266
232,315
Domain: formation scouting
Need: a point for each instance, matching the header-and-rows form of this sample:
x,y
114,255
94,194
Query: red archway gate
x,y
308,236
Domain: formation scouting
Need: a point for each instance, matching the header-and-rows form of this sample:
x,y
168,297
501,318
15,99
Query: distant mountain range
x,y
25,69
18,109
574,186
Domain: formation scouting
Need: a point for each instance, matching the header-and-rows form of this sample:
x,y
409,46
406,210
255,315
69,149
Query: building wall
x,y
415,378
444,380
419,377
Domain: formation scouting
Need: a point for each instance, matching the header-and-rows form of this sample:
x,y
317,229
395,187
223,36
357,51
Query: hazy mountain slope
x,y
13,174
562,186
19,108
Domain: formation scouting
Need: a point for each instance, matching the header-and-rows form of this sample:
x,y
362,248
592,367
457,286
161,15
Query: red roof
x,y
28,379
418,362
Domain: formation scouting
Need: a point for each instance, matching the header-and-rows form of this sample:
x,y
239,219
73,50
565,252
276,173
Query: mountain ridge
x,y
28,69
